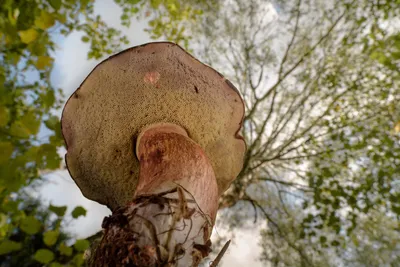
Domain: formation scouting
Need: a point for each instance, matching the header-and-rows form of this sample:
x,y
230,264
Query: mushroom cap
x,y
151,83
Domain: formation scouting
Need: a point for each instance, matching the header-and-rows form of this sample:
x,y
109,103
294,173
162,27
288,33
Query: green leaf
x,y
9,205
45,20
56,264
78,211
78,259
30,225
155,3
63,19
56,4
335,243
50,237
81,244
44,256
8,246
31,122
28,36
85,39
6,149
43,62
3,219
19,130
48,154
31,153
65,250
26,126
355,241
52,123
59,210
84,3
38,48
4,116
48,99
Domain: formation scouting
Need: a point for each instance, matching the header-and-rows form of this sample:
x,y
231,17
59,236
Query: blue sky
x,y
71,67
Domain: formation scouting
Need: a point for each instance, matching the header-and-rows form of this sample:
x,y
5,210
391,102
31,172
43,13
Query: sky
x,y
71,67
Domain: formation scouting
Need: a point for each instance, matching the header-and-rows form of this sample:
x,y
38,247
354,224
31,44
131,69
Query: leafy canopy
x,y
30,133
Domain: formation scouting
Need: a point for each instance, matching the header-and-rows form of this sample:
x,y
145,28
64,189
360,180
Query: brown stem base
x,y
166,229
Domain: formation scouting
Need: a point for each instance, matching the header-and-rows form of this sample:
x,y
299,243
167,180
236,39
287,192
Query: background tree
x,y
321,85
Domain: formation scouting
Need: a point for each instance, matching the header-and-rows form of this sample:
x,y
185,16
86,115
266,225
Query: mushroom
x,y
148,125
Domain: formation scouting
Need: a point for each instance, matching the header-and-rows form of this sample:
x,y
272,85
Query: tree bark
x,y
170,219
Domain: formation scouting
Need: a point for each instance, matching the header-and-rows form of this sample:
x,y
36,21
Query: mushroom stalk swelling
x,y
170,220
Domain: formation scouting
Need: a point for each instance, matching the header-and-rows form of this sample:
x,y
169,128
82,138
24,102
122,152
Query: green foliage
x,y
81,244
30,225
8,246
50,237
28,101
65,250
167,18
364,178
44,256
26,45
78,259
59,211
35,235
78,211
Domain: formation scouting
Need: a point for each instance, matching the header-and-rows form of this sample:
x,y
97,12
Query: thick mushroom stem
x,y
169,222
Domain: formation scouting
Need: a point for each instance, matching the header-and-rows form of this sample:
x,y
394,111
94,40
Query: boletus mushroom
x,y
153,133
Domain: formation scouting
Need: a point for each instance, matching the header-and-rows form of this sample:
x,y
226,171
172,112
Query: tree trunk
x,y
170,219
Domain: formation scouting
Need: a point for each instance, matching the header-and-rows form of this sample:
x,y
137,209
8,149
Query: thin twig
x,y
215,262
